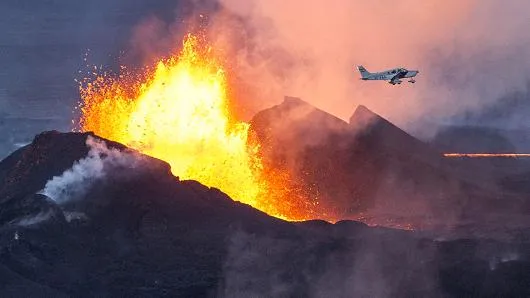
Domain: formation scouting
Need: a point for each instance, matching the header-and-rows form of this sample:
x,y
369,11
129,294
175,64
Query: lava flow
x,y
485,155
178,111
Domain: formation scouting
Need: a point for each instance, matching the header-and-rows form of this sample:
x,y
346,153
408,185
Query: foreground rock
x,y
138,231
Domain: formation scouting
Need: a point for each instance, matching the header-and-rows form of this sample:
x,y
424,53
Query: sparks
x,y
178,111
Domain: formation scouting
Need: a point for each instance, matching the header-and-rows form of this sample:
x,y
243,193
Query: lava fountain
x,y
178,111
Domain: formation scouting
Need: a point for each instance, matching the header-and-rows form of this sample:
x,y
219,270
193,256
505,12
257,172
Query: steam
x,y
503,258
34,219
76,181
470,54
255,266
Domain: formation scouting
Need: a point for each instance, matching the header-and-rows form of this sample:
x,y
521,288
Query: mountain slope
x,y
369,168
137,230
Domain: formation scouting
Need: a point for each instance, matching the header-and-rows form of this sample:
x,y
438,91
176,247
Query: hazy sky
x,y
473,55
42,46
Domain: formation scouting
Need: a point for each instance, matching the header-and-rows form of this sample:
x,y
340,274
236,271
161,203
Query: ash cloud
x,y
470,54
159,34
75,182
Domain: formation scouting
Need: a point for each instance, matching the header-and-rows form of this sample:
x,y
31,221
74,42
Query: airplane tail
x,y
364,73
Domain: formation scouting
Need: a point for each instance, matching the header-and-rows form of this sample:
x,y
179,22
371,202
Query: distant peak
x,y
289,100
363,109
364,116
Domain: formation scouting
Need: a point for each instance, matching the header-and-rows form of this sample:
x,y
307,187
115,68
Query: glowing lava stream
x,y
179,113
478,155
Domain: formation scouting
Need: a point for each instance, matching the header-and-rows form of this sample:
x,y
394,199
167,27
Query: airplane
x,y
393,76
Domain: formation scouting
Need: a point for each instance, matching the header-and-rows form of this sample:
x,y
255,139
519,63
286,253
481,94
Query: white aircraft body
x,y
393,76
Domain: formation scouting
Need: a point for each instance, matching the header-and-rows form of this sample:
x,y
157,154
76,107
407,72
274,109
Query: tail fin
x,y
364,73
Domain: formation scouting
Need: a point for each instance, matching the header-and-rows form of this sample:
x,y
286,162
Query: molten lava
x,y
179,112
485,155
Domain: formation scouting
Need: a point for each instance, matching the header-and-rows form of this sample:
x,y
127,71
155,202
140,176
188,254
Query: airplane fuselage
x,y
388,75
393,76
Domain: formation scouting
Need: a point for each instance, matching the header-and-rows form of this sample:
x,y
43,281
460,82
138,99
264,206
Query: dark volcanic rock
x,y
342,164
29,210
371,169
27,170
384,135
136,223
144,233
308,143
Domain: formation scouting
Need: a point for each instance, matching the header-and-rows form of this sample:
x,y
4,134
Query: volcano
x,y
371,169
84,216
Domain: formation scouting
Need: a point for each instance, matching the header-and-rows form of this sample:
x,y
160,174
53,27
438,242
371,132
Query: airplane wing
x,y
395,79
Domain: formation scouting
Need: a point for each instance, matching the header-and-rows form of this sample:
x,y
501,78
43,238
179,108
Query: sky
x,y
42,49
473,55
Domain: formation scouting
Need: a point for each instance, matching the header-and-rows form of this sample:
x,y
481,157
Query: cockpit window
x,y
394,71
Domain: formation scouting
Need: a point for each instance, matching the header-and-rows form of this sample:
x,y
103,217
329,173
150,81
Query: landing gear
x,y
412,81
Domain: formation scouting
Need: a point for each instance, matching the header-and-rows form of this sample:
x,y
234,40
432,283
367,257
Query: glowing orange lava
x,y
179,112
478,155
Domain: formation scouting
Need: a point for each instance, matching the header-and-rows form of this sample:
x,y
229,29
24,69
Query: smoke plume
x,y
76,181
470,53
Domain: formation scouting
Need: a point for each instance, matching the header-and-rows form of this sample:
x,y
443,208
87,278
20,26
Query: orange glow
x,y
478,155
179,112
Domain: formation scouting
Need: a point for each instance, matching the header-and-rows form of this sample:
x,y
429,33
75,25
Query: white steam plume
x,y
74,182
34,219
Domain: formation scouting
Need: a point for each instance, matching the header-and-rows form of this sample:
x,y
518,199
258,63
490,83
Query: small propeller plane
x,y
393,76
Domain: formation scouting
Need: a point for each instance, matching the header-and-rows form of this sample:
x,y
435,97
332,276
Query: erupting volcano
x,y
179,112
